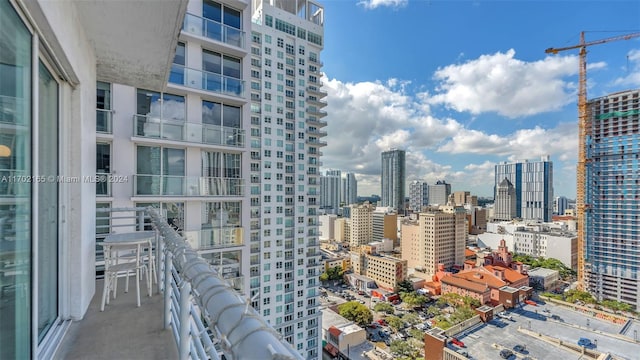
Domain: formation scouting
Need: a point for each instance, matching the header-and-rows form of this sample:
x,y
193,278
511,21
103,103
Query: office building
x,y
465,198
349,189
393,179
330,185
436,237
386,271
384,224
504,206
286,122
418,195
560,204
533,183
360,226
439,193
612,194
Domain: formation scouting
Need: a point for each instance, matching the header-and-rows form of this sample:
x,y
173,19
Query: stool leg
x,y
137,285
105,292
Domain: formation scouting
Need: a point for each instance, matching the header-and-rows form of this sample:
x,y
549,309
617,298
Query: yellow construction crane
x,y
583,129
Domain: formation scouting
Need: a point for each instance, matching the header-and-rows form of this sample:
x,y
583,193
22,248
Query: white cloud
x,y
372,4
560,142
503,84
633,77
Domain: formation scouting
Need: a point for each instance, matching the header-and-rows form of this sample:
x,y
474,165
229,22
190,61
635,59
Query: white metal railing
x,y
207,316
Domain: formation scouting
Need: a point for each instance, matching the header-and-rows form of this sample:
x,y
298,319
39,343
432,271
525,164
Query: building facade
x,y
384,224
533,183
349,189
330,191
612,194
360,225
437,237
286,122
439,193
560,204
53,53
393,179
505,206
418,195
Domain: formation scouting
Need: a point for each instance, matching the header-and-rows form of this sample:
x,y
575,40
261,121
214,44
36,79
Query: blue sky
x,y
463,85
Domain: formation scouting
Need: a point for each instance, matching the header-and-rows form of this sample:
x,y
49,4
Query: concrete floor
x,y
123,331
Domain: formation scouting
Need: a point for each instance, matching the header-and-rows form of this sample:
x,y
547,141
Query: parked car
x,y
457,342
519,348
584,342
506,353
531,302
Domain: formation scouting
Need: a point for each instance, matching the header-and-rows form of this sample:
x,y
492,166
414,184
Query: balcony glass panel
x,y
215,238
215,30
163,185
205,80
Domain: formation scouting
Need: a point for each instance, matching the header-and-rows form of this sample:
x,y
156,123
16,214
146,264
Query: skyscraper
x,y
349,189
560,204
612,195
330,186
393,178
504,207
439,193
418,195
533,182
286,121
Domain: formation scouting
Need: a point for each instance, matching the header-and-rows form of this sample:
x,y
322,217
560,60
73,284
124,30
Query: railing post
x,y
167,288
158,259
185,323
140,220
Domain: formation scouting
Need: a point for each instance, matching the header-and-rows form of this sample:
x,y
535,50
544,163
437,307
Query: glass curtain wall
x,y
15,194
47,201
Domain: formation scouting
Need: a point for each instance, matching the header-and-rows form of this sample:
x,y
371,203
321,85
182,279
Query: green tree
x,y
384,307
335,273
578,295
356,312
413,299
433,310
395,323
404,349
416,334
405,286
411,318
324,277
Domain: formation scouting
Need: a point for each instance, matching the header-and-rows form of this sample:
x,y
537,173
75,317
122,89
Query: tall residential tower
x,y
393,179
612,194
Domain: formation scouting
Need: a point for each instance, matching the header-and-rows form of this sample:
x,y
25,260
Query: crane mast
x,y
584,126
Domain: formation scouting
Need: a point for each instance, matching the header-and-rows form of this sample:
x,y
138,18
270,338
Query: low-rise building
x,y
543,278
340,334
386,271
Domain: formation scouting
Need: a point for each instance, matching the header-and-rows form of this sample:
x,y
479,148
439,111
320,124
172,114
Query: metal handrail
x,y
238,329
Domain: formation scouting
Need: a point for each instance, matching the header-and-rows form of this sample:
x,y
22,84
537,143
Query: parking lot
x,y
568,326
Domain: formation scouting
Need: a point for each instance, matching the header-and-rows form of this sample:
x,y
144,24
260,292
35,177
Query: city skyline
x,y
455,125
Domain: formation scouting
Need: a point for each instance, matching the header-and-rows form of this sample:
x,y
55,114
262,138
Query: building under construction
x,y
612,198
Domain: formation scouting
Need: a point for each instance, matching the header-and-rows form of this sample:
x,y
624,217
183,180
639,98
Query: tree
x,y
416,334
411,318
395,322
384,307
405,286
433,310
324,277
356,312
404,349
413,298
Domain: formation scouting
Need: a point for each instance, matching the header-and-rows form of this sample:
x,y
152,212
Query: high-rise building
x,y
504,207
330,185
418,195
533,182
437,237
560,204
286,121
439,193
385,224
612,194
349,189
360,224
393,179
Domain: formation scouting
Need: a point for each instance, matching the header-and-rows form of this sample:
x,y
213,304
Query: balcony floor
x,y
122,331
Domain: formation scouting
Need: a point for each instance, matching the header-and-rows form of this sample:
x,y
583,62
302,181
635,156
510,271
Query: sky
x,y
463,85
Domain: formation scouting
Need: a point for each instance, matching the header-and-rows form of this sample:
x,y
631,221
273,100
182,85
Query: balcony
x,y
213,30
317,91
205,80
316,132
316,142
314,111
191,306
168,185
314,100
103,184
179,130
215,238
314,121
104,121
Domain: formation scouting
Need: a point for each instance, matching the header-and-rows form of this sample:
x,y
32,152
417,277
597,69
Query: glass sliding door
x,y
47,226
15,196
103,108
